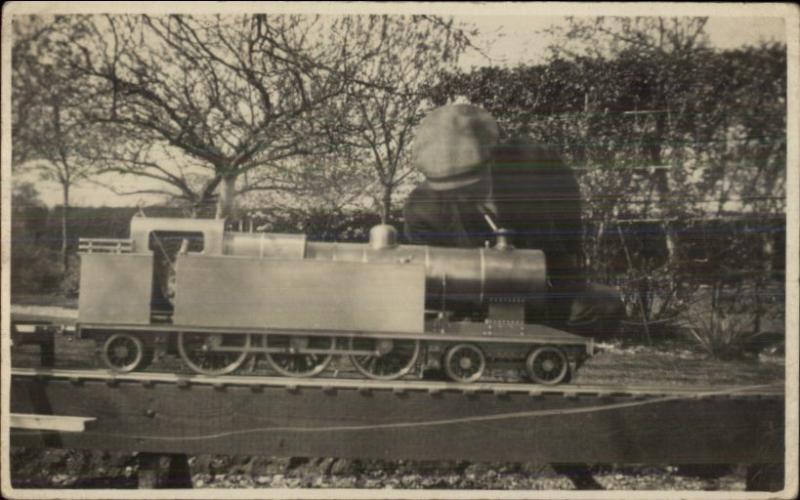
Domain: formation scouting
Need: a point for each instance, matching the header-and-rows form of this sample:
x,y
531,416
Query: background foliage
x,y
306,123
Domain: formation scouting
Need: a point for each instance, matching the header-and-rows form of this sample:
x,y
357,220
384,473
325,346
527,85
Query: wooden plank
x,y
410,424
58,423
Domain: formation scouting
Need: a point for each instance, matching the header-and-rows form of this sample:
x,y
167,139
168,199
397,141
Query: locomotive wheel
x,y
393,358
296,363
123,352
464,363
198,352
547,365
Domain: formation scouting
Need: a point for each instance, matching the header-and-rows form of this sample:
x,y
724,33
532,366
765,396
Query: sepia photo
x,y
399,250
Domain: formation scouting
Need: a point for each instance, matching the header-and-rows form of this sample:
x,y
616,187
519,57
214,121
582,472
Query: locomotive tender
x,y
393,310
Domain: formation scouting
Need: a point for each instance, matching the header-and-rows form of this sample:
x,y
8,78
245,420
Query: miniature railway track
x,y
422,420
334,416
402,386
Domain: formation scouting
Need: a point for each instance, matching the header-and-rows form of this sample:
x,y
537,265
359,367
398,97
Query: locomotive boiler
x,y
218,299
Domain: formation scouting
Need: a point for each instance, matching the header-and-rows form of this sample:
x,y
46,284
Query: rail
x,y
402,386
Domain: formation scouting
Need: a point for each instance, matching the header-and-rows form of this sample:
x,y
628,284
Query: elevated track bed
x,y
162,412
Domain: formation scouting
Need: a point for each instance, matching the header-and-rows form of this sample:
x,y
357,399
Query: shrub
x,y
35,270
721,336
729,326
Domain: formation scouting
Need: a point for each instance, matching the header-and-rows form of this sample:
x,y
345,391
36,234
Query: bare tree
x,y
411,53
324,191
199,104
49,133
229,94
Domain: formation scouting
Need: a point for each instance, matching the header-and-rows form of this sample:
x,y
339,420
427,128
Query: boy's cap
x,y
452,145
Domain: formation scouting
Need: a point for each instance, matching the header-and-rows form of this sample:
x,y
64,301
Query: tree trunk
x,y
64,214
768,249
763,282
225,201
595,261
670,243
386,203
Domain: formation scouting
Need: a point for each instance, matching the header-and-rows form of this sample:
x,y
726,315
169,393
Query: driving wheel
x,y
393,358
213,354
302,356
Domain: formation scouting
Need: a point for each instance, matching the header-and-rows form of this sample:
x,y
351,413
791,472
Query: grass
x,y
645,365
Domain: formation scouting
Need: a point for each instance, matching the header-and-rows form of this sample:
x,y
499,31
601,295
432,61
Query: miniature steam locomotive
x,y
222,298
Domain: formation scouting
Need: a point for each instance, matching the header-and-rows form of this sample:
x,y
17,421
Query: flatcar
x,y
218,298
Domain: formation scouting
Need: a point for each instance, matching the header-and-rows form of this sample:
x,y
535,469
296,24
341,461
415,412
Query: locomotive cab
x,y
133,281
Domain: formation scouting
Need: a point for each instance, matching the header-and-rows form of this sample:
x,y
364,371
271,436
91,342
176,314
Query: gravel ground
x,y
93,469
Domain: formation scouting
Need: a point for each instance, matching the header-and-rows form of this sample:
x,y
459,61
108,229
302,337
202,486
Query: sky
x,y
515,40
520,39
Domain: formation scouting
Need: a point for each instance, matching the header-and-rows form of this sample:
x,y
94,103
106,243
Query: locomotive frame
x,y
281,297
